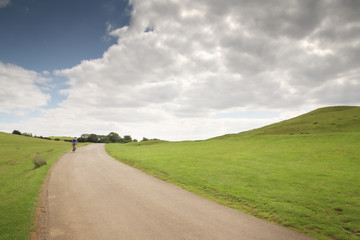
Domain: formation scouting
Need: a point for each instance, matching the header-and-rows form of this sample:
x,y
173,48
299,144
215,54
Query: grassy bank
x,y
20,182
307,182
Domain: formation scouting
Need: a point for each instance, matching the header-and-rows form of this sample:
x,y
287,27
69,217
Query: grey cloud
x,y
294,19
341,91
206,56
4,3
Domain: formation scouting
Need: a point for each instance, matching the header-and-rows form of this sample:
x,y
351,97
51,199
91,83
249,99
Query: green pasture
x,y
306,182
302,173
20,182
309,183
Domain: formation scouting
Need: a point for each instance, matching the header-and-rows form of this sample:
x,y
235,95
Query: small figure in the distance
x,y
74,142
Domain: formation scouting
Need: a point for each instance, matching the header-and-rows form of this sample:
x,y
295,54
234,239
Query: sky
x,y
173,69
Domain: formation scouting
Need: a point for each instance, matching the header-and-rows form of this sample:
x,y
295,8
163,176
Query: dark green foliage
x,y
93,138
17,132
127,139
114,137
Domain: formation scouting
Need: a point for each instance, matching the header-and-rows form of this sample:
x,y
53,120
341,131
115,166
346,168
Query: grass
x,y
322,120
20,181
306,182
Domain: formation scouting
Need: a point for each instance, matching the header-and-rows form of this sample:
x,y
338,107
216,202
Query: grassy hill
x,y
322,120
302,173
20,182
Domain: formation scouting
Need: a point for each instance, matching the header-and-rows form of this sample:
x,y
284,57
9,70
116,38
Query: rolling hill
x,y
320,121
301,173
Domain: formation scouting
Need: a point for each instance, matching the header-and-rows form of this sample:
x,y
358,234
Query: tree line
x,y
112,137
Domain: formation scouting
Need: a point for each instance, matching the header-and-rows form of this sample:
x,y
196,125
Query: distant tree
x,y
135,140
83,138
17,132
92,138
145,139
127,138
103,139
85,135
114,137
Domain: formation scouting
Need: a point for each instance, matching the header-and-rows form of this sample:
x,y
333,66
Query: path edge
x,y
40,231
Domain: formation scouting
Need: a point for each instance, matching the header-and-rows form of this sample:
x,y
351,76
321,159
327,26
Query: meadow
x,y
305,179
301,173
20,181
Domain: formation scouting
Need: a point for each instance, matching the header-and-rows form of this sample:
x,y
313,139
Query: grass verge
x,y
20,181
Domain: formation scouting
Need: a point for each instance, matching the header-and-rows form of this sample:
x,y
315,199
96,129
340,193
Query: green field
x,y
20,182
302,173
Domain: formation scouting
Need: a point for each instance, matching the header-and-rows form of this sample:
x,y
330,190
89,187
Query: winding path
x,y
92,196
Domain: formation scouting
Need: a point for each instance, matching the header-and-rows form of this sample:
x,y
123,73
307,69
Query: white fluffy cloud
x,y
181,64
21,90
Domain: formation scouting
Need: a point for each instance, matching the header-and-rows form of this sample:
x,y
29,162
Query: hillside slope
x,y
20,181
322,120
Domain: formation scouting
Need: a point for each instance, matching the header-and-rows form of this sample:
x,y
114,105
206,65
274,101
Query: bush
x,y
38,161
17,132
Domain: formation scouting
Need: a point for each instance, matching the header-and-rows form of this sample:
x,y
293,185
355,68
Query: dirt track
x,y
92,196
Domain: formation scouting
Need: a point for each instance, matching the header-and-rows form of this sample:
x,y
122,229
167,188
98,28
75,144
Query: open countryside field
x,y
302,173
20,182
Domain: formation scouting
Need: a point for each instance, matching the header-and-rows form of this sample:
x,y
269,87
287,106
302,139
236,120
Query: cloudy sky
x,y
173,69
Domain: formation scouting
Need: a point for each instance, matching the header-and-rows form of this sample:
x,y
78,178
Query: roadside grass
x,y
20,181
308,183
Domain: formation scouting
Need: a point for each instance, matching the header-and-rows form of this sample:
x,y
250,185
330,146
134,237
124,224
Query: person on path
x,y
74,142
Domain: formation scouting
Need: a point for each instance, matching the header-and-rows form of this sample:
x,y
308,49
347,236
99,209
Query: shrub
x,y
17,132
38,161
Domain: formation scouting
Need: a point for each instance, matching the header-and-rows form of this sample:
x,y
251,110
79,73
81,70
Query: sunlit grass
x,y
20,181
309,183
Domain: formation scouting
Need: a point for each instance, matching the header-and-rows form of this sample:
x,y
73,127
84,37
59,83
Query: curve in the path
x,y
92,196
